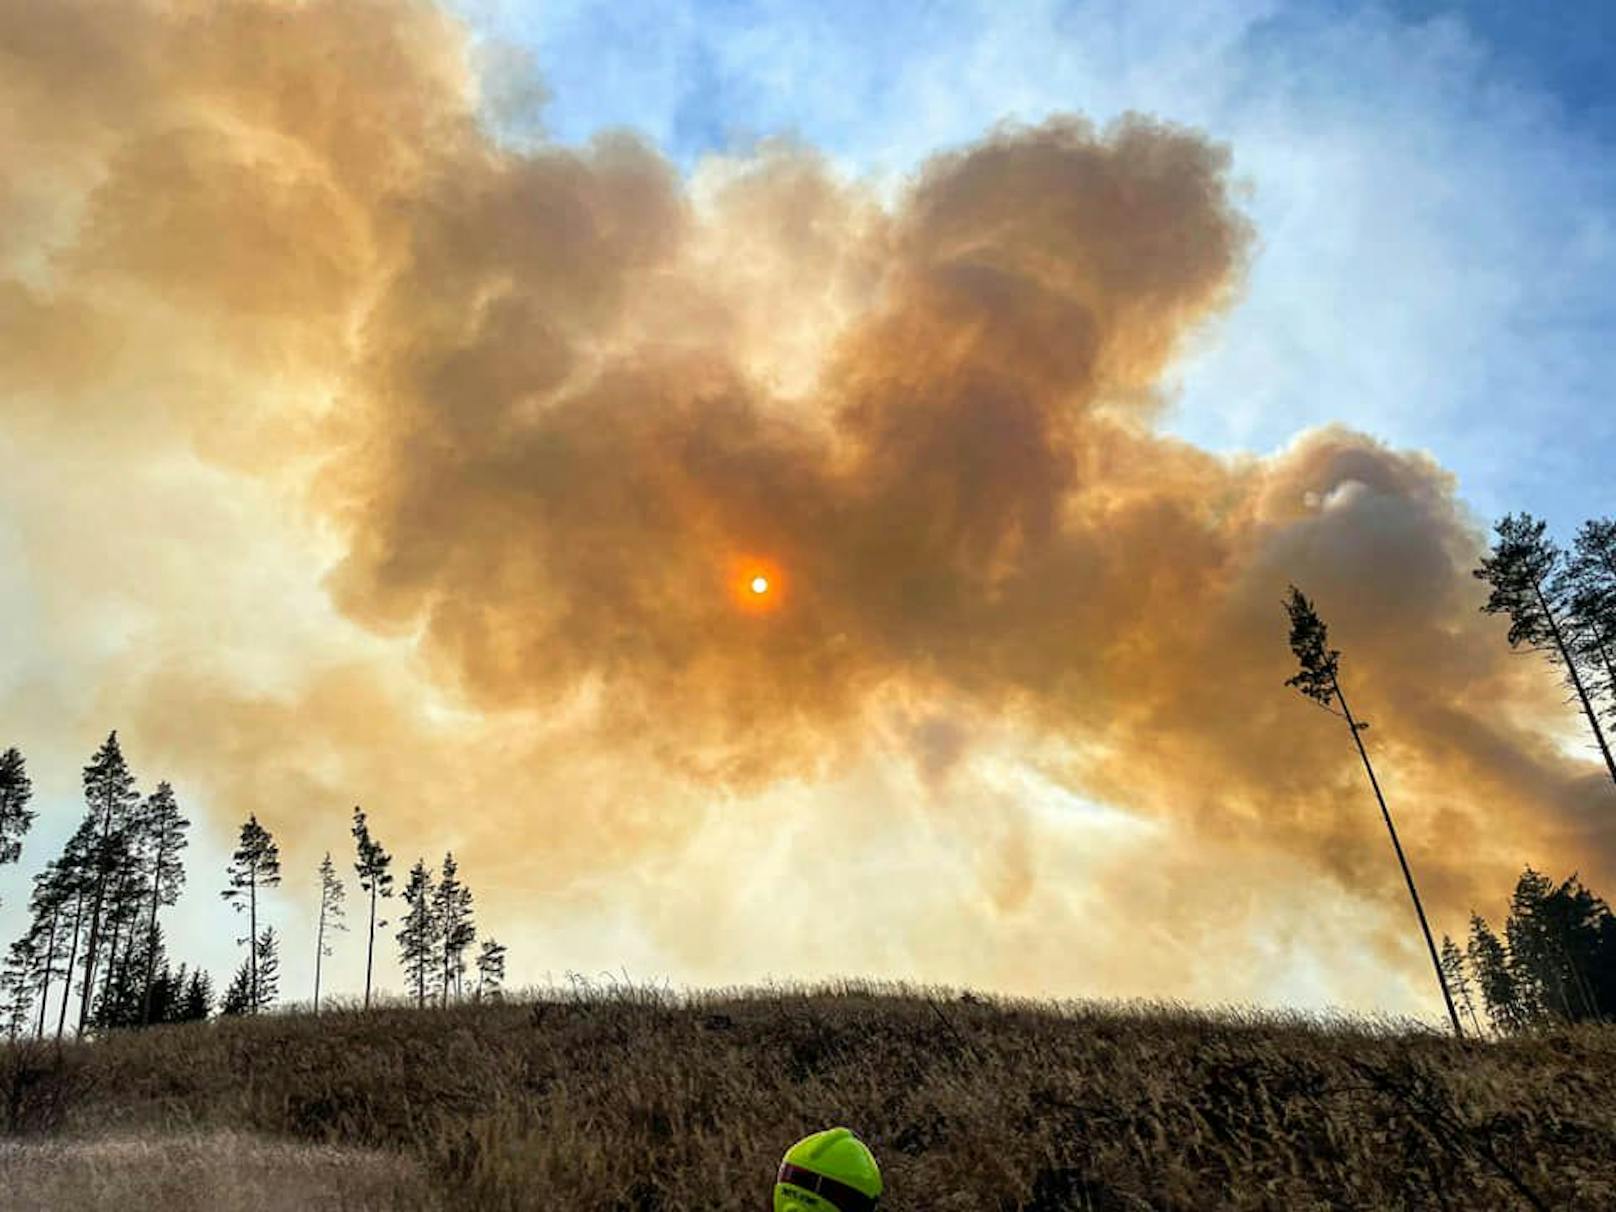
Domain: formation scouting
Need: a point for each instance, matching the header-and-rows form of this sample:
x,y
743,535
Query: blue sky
x,y
1432,183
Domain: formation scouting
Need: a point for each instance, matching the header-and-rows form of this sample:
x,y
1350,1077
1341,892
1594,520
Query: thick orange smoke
x,y
540,411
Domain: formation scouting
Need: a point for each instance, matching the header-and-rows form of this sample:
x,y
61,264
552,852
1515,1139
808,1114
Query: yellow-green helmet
x,y
830,1171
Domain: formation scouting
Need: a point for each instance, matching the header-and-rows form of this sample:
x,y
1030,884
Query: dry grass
x,y
634,1099
221,1172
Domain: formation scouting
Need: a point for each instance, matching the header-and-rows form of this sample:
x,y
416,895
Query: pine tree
x,y
1524,570
1453,967
1318,678
123,995
332,895
47,906
18,985
165,829
1490,962
451,909
1538,979
256,864
1587,584
110,799
238,997
266,981
196,1003
490,969
1556,945
418,933
375,881
15,816
124,907
75,871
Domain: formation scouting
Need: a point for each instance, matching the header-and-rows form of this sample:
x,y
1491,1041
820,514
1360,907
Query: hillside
x,y
635,1099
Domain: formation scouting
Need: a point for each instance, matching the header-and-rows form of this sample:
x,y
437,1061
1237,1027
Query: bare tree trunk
x,y
50,962
319,950
370,942
252,936
112,961
92,944
1408,876
151,930
72,954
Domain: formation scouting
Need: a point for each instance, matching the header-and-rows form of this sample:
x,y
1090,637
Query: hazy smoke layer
x,y
542,414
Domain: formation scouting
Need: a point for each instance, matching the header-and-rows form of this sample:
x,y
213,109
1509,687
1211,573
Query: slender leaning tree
x,y
256,864
1522,569
332,894
371,864
1318,678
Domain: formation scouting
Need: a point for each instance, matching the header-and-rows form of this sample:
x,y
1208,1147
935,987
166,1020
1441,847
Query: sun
x,y
756,584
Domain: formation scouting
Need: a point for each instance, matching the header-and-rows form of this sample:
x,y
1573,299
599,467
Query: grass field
x,y
636,1099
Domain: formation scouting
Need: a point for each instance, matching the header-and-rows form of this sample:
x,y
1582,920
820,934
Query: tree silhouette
x,y
238,998
1522,570
1490,962
196,1003
332,895
490,968
418,933
1318,678
110,799
267,964
77,880
47,906
256,864
15,817
451,909
1587,584
371,864
1453,968
1562,949
18,984
164,829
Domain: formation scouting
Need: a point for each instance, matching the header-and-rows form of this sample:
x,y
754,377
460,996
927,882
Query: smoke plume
x,y
360,455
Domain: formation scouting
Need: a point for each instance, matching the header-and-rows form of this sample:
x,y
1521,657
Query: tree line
x,y
1559,960
93,955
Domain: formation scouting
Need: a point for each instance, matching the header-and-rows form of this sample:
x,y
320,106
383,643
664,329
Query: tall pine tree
x,y
76,873
332,895
110,801
48,907
375,881
1490,962
418,934
256,864
164,829
451,907
1318,678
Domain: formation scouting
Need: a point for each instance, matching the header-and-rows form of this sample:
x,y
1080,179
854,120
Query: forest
x,y
93,955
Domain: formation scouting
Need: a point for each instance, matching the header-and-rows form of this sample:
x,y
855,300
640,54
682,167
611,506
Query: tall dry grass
x,y
638,1099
